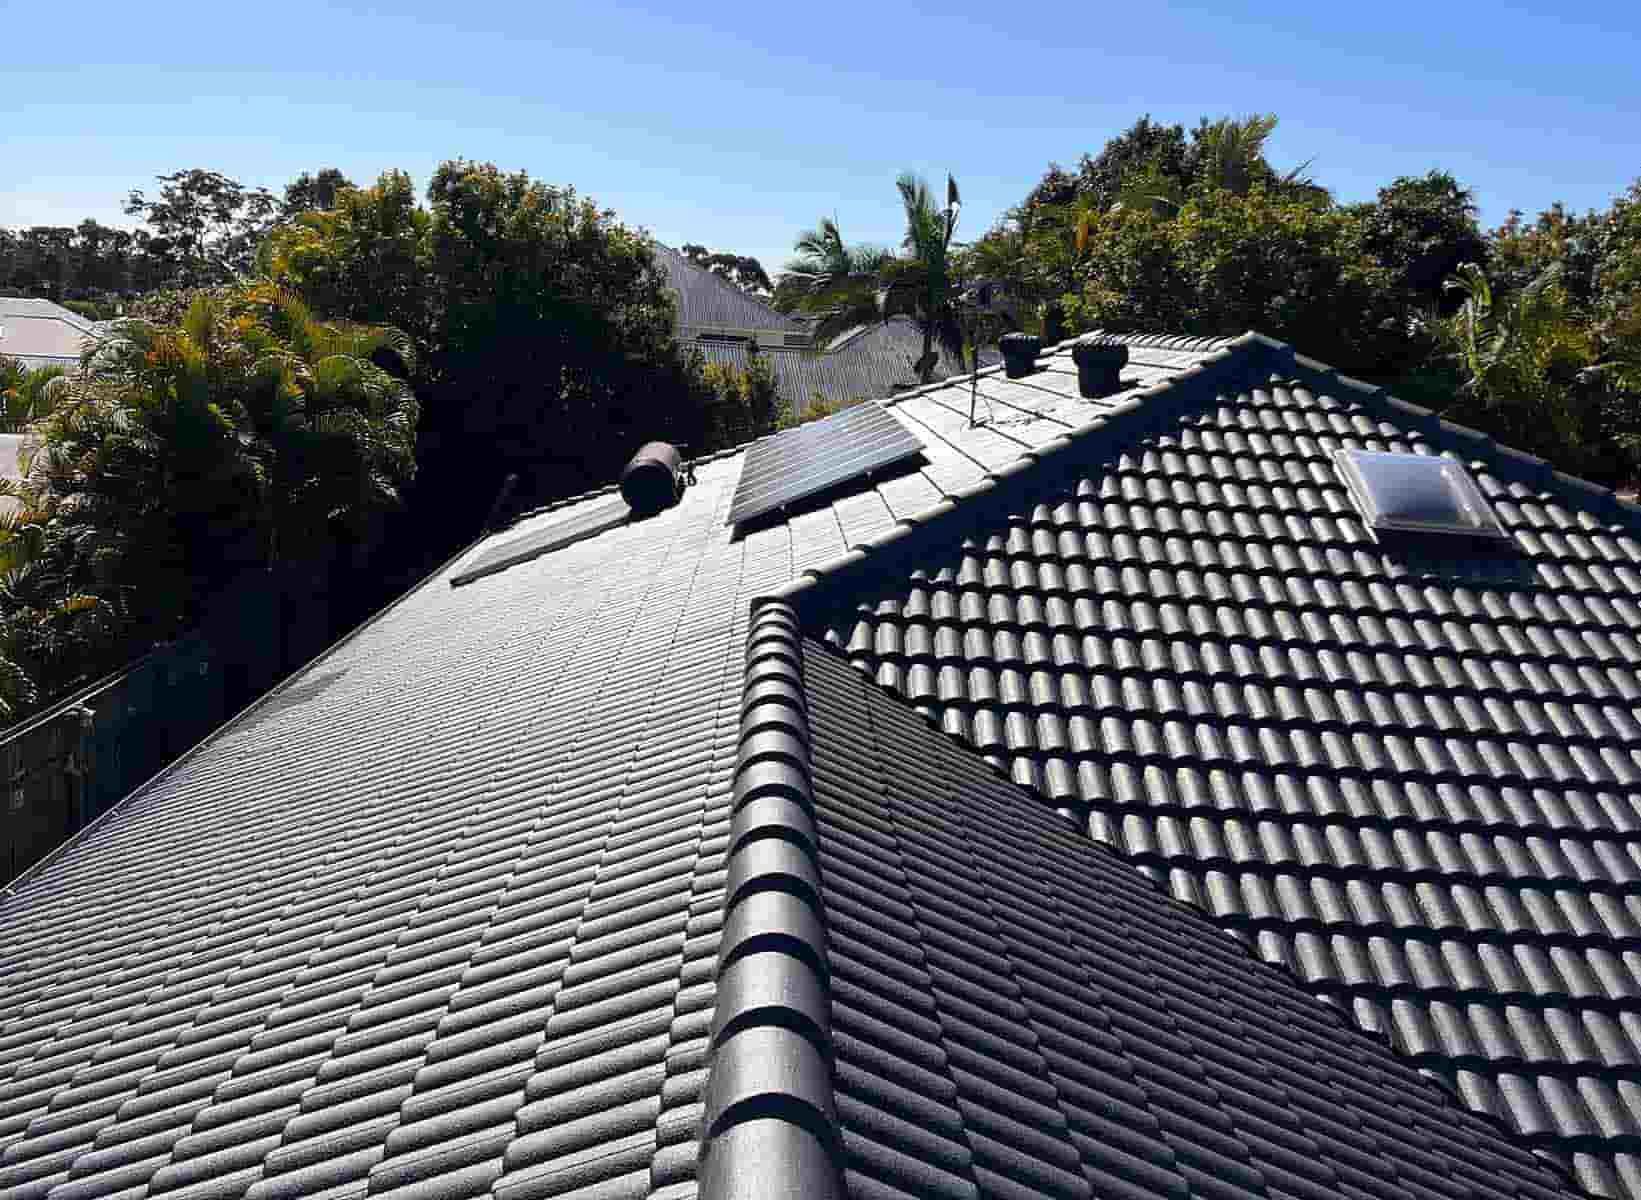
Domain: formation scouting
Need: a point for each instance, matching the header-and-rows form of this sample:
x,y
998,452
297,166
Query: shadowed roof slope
x,y
1410,775
1015,1011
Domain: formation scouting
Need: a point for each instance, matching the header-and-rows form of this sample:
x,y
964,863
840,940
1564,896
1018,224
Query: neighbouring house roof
x,y
722,321
706,302
610,874
869,363
41,333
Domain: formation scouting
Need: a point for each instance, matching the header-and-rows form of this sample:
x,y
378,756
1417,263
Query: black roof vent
x,y
1020,352
1100,359
1416,493
654,479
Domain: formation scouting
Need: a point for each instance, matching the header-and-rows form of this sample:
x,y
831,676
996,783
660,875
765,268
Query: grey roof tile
x,y
1076,1054
447,915
1482,705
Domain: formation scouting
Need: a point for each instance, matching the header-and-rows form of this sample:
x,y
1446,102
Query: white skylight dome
x,y
1417,493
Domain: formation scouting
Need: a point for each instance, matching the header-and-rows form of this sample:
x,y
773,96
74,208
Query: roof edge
x,y
1477,444
244,715
770,1127
1140,404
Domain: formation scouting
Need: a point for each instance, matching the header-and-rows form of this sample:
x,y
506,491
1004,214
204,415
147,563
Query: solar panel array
x,y
543,541
804,461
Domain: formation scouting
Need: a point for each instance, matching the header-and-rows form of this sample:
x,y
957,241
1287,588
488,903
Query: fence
x,y
70,764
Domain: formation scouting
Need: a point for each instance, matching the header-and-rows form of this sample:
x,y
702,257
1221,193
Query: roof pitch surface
x,y
1017,1011
440,916
1412,780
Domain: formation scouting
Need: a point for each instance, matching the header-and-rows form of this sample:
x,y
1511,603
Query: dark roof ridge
x,y
1144,404
769,1126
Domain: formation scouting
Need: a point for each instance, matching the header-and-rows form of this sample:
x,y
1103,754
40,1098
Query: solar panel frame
x,y
802,462
556,536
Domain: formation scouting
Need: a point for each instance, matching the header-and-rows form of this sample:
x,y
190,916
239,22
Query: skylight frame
x,y
1368,476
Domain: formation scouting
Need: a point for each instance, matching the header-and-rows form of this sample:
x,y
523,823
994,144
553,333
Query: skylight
x,y
1417,493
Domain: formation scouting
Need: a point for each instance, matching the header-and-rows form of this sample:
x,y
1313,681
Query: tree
x,y
314,193
552,340
1526,362
206,224
363,259
1228,154
745,403
1226,263
843,286
1422,228
1145,148
245,435
28,393
744,272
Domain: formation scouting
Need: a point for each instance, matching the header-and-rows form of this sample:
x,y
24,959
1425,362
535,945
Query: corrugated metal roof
x,y
872,362
706,300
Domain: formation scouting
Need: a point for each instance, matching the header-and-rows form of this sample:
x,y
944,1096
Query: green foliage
x,y
314,193
364,258
1227,263
818,410
543,325
204,224
744,272
28,393
88,262
1422,229
744,404
1527,364
246,433
844,286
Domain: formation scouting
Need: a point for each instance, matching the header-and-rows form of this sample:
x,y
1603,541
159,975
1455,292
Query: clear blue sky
x,y
736,125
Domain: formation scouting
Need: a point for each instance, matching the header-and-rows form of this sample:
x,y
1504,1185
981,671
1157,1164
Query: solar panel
x,y
543,541
811,458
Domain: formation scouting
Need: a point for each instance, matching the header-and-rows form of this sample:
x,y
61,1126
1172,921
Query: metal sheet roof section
x,y
585,523
1413,780
1016,1012
803,462
706,301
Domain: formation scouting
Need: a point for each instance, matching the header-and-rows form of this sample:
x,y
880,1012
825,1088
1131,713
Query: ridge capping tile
x,y
769,1127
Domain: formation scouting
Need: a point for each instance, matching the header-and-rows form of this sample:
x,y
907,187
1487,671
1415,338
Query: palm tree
x,y
844,286
27,394
1525,363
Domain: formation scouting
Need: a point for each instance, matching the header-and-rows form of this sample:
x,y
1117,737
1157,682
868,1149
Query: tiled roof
x,y
1017,1011
495,898
1410,776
